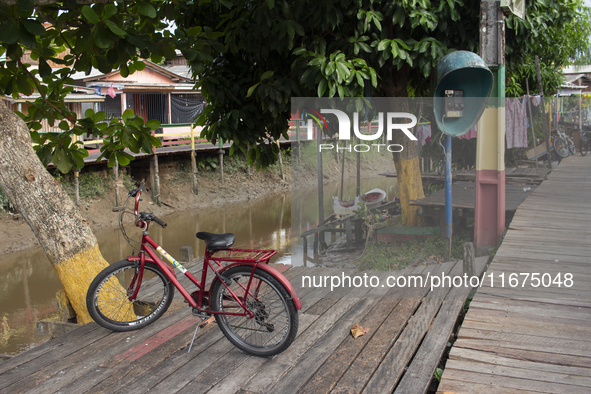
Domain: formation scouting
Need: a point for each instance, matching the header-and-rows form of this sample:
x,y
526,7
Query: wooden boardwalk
x,y
464,194
409,330
534,339
533,176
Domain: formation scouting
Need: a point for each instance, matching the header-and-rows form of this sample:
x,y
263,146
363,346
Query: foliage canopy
x,y
250,57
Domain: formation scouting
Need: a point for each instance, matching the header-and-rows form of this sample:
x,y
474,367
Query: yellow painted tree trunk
x,y
63,233
408,170
410,183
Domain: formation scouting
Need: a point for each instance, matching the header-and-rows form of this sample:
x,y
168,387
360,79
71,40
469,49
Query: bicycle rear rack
x,y
244,255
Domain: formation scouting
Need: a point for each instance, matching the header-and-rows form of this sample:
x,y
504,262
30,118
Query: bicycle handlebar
x,y
160,222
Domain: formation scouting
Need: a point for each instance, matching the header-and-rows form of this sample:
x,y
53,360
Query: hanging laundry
x,y
427,133
515,123
473,133
111,91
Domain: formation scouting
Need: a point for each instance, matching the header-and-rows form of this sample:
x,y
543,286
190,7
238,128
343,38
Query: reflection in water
x,y
28,283
304,210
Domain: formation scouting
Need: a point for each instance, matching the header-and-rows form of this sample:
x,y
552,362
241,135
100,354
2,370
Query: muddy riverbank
x,y
176,188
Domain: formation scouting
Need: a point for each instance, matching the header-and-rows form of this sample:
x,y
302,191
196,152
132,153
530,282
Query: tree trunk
x,y
407,162
63,233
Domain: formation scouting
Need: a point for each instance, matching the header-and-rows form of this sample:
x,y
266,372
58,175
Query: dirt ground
x,y
15,233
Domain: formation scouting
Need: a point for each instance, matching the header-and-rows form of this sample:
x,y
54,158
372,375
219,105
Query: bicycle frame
x,y
254,258
250,257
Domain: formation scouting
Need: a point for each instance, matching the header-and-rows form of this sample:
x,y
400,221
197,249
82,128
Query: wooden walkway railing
x,y
532,333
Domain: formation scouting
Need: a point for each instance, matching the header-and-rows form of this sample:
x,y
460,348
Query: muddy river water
x,y
28,283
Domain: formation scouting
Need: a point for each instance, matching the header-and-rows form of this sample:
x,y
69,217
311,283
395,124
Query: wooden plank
x,y
555,345
525,320
531,308
118,373
322,349
526,352
451,386
497,375
284,361
339,361
461,354
53,345
54,376
252,366
420,372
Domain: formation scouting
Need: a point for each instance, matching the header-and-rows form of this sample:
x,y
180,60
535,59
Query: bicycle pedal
x,y
206,322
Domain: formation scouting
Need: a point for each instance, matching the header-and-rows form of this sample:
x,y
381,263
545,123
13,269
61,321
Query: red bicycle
x,y
254,305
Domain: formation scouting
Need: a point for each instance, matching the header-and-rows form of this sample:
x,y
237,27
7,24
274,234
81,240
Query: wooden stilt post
x,y
280,162
247,165
358,190
468,261
298,144
533,134
193,162
545,120
221,155
116,179
152,180
320,236
77,187
156,185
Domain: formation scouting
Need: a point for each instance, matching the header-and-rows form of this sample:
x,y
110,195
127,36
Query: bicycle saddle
x,y
216,241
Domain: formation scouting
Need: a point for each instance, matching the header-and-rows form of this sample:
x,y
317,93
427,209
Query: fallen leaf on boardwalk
x,y
358,330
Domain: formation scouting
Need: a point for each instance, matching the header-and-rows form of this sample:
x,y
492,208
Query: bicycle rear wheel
x,y
560,147
585,143
108,301
275,323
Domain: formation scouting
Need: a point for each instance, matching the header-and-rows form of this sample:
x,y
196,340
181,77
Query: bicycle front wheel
x,y
275,322
108,300
560,147
571,147
585,143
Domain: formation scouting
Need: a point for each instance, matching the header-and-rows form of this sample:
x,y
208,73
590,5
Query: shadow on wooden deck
x,y
409,330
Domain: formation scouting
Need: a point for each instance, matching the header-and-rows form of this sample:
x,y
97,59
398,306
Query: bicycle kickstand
x,y
205,320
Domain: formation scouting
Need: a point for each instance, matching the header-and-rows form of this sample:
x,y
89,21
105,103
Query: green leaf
x,y
139,65
127,114
322,88
343,71
146,9
102,38
64,125
25,7
44,68
123,158
124,70
270,4
194,31
267,75
384,44
27,39
23,86
33,27
153,124
100,116
9,32
90,15
62,162
252,89
109,11
115,29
